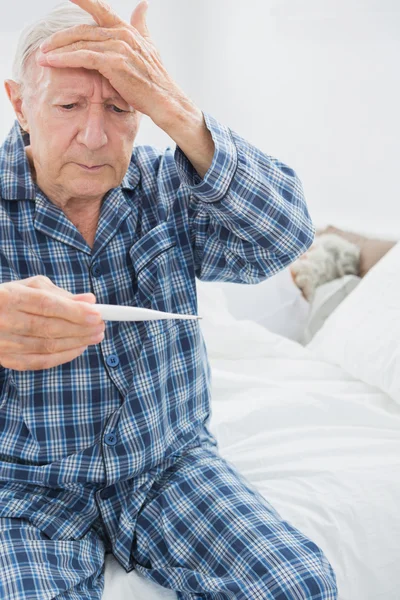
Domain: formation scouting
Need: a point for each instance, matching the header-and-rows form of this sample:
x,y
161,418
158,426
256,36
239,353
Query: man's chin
x,y
82,187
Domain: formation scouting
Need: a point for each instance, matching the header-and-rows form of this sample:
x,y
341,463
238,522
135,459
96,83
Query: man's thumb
x,y
138,18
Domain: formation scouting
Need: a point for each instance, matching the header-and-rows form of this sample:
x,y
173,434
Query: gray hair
x,y
64,15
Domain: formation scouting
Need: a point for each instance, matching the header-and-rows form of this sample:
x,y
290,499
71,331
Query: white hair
x,y
64,15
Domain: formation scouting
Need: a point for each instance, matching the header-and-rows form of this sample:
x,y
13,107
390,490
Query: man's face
x,y
74,118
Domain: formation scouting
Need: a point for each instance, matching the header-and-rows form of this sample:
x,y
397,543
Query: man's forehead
x,y
80,84
77,91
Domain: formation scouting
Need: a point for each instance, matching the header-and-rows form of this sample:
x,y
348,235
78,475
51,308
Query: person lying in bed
x,y
104,439
335,253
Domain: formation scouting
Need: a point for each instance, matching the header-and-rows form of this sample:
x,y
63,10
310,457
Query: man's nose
x,y
92,131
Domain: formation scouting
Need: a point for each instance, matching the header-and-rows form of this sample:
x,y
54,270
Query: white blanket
x,y
321,446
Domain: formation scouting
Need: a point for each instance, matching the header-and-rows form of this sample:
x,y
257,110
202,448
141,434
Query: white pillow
x,y
327,298
276,303
362,335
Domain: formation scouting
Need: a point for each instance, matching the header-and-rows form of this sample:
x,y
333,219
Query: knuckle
x,y
46,305
27,326
95,59
105,33
47,330
39,281
50,345
14,346
9,297
119,61
4,321
125,47
16,298
24,326
4,294
82,29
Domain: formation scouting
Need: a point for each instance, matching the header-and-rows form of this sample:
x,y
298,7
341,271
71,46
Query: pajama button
x,y
110,439
96,270
112,360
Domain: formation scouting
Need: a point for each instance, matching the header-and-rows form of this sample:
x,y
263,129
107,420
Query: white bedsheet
x,y
321,446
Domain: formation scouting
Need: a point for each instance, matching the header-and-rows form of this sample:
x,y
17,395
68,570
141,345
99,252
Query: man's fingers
x,y
41,282
89,33
88,297
101,12
22,345
82,59
49,328
36,362
43,303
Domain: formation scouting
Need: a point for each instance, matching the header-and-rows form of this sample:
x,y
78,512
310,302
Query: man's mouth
x,y
95,168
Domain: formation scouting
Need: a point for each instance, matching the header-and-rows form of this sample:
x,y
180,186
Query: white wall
x,y
314,83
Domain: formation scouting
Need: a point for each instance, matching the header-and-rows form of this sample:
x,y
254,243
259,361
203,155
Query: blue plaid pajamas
x,y
203,530
85,446
34,567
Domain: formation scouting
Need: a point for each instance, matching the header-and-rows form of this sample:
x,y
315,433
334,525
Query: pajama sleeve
x,y
248,215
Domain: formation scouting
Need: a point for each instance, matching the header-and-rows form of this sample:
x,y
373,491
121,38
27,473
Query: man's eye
x,y
67,108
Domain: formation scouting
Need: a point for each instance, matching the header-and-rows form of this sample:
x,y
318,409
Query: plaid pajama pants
x,y
203,531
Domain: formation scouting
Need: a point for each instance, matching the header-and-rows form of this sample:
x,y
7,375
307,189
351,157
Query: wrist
x,y
179,117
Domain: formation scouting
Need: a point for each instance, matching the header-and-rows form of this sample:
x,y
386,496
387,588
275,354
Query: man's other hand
x,y
43,326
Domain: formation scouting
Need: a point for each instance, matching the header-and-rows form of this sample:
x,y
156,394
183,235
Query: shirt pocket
x,y
154,260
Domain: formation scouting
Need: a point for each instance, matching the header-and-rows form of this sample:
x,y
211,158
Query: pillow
x,y
362,334
276,303
327,297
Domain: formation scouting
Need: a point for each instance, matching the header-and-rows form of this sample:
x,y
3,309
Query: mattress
x,y
321,446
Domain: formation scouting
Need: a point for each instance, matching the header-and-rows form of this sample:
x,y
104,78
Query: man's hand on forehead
x,y
122,52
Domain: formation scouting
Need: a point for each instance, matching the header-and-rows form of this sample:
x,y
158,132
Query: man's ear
x,y
13,91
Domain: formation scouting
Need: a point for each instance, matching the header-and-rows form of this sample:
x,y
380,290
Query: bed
x,y
315,428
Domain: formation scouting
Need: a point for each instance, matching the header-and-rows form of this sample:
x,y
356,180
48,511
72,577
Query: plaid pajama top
x,y
91,435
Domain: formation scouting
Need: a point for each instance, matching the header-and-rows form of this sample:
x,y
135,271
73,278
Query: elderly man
x,y
104,440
